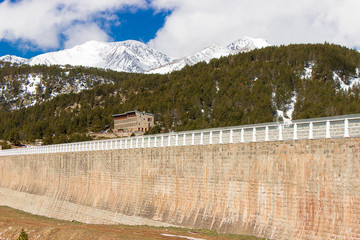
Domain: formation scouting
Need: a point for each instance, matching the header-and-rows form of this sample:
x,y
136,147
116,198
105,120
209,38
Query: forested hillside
x,y
316,80
24,85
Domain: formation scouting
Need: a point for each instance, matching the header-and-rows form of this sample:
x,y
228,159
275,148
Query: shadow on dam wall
x,y
307,189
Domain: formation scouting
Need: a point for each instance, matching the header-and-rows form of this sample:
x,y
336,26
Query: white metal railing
x,y
316,128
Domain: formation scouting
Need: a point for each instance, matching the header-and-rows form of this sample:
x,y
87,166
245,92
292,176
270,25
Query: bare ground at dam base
x,y
39,227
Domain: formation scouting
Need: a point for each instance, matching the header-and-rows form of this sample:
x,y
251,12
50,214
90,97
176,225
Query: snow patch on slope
x,y
33,82
287,115
308,71
353,81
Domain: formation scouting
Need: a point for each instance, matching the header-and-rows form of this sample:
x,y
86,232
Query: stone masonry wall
x,y
307,189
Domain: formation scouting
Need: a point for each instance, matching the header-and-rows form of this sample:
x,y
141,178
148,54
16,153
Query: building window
x,y
149,119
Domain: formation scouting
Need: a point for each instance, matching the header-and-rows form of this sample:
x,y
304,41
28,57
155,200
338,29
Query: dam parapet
x,y
316,128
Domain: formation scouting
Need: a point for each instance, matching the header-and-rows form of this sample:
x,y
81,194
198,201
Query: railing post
x,y
169,140
221,137
184,139
155,143
295,132
177,140
254,134
328,129
126,144
231,140
311,133
137,142
280,133
193,139
162,141
242,136
121,144
149,141
346,128
201,138
266,133
211,137
142,142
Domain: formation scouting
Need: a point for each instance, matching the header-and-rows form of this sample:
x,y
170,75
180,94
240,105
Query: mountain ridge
x,y
133,56
213,51
126,56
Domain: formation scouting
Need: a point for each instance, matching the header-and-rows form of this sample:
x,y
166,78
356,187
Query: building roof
x,y
135,111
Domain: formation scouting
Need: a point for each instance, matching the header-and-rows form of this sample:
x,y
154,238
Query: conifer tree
x,y
23,235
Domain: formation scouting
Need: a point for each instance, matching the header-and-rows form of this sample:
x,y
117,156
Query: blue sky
x,y
174,27
140,25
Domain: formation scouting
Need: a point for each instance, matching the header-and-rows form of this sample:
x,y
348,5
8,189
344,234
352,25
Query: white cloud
x,y
193,25
42,22
81,33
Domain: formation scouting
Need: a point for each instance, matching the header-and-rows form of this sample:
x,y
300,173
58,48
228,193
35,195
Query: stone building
x,y
133,121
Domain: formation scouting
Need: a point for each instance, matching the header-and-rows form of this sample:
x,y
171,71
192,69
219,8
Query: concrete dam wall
x,y
298,189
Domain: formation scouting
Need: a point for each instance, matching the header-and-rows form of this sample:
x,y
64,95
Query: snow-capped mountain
x,y
205,55
247,44
126,56
13,59
214,51
134,56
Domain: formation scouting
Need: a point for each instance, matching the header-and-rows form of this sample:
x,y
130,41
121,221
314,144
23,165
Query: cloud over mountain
x,y
190,24
195,24
45,24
